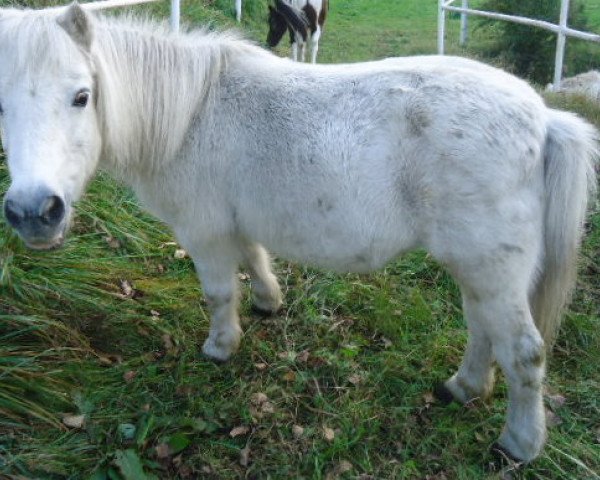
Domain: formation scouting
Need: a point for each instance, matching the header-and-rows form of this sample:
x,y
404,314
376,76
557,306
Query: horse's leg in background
x,y
495,282
475,377
314,44
217,263
238,10
266,294
302,51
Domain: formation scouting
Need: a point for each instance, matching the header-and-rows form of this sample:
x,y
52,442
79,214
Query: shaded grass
x,y
354,354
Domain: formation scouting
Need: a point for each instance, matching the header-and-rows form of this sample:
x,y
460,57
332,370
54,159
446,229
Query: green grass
x,y
354,354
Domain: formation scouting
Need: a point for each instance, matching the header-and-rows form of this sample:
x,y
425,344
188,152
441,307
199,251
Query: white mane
x,y
167,77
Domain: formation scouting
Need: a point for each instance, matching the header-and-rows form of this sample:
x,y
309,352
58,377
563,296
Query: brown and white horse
x,y
304,19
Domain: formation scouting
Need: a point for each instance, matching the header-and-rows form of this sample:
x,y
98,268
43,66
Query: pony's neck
x,y
151,85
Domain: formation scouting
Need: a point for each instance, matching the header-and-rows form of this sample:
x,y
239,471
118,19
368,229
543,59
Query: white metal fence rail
x,y
101,5
562,30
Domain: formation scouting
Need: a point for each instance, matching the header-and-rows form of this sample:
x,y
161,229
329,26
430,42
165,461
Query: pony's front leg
x,y
294,55
216,264
266,293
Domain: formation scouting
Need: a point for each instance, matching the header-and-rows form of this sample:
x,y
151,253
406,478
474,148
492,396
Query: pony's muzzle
x,y
39,219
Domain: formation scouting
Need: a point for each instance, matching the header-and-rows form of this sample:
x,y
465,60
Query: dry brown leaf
x,y
167,342
260,366
243,277
155,314
302,357
328,434
289,376
74,421
284,355
267,407
552,419
162,450
343,467
180,253
127,291
237,431
129,375
355,379
258,398
297,431
429,398
112,242
556,401
245,456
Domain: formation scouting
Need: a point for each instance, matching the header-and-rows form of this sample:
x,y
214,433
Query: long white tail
x,y
570,154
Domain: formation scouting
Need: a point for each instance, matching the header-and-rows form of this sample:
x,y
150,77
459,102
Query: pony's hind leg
x,y
266,294
216,264
495,288
475,377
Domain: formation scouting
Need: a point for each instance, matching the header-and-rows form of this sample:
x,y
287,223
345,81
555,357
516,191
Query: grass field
x,y
101,375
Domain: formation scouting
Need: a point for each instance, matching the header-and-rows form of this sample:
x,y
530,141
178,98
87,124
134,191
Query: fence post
x,y
441,26
175,14
464,24
560,42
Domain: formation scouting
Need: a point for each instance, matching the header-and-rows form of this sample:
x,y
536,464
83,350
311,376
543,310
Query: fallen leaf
x,y
297,431
112,242
259,398
245,456
386,342
180,253
267,407
129,375
162,450
168,342
555,401
552,419
127,290
289,376
155,313
355,379
243,277
343,467
328,434
260,366
237,431
74,421
429,398
302,357
284,355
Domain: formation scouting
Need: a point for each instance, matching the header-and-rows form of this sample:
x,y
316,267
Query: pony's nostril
x,y
14,215
52,210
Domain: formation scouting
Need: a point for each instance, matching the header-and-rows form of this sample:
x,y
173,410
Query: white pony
x,y
436,152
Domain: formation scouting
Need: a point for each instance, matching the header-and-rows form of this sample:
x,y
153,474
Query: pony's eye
x,y
81,98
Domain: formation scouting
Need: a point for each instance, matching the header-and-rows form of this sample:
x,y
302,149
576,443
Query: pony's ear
x,y
78,25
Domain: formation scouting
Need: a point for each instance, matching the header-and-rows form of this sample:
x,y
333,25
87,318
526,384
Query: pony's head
x,y
283,16
48,120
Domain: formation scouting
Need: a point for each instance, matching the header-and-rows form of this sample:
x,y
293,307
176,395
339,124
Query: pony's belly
x,y
346,253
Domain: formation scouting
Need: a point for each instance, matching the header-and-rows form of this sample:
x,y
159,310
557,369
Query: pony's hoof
x,y
263,312
443,393
219,348
503,455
